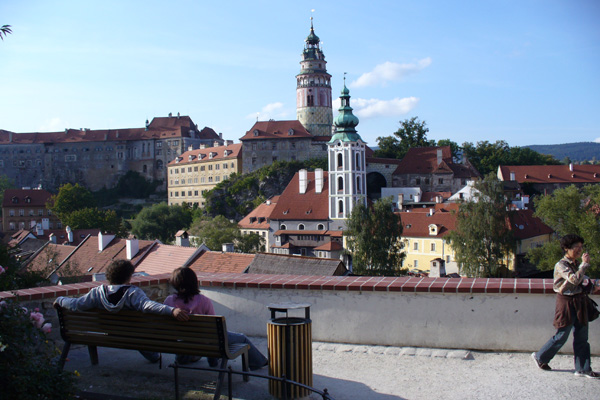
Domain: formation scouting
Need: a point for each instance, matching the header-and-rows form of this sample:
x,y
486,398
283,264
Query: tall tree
x,y
161,221
483,240
70,198
373,236
569,210
486,156
5,30
412,133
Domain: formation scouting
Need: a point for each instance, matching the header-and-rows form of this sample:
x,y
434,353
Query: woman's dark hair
x,y
185,281
119,272
568,241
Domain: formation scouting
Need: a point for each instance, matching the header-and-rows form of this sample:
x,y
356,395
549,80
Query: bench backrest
x,y
204,335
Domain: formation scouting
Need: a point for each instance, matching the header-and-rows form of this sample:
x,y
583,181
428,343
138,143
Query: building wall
x,y
189,182
421,257
258,153
23,216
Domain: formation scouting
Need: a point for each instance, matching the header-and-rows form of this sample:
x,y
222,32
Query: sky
x,y
523,71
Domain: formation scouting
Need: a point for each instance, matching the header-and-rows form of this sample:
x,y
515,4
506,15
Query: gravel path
x,y
351,372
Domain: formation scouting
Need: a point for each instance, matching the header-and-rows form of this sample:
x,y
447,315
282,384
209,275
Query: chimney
x,y
228,142
202,146
430,212
439,156
103,240
132,247
227,247
52,238
571,167
69,234
512,176
190,147
318,180
216,144
303,181
400,201
182,239
439,199
10,137
38,229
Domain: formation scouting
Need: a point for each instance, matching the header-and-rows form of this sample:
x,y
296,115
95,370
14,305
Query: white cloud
x,y
370,108
270,111
52,125
597,140
389,71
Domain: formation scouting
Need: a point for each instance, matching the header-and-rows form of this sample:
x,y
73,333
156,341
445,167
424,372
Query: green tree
x,y
5,183
250,243
454,147
482,240
486,156
90,218
70,198
4,30
412,133
373,237
569,210
134,185
161,221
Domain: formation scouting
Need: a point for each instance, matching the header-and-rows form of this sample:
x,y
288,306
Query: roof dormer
x,y
433,230
291,132
255,132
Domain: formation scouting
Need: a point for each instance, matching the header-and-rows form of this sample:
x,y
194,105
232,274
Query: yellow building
x,y
195,172
423,236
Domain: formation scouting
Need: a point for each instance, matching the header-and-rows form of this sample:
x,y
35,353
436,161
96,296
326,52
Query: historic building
x,y
313,89
306,137
195,172
433,170
26,209
98,158
545,179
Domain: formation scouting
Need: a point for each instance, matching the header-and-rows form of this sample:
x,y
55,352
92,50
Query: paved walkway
x,y
352,372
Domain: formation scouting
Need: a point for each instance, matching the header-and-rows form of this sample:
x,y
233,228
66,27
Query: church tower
x,y
347,164
313,89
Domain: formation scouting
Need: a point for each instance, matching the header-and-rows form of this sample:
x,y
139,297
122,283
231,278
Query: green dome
x,y
345,122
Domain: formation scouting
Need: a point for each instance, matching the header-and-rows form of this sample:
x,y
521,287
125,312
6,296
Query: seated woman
x,y
188,298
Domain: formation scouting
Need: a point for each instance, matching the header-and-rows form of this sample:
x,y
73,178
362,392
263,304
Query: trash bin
x,y
290,349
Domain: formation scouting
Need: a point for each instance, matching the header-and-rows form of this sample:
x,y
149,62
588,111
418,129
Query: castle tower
x,y
313,89
347,164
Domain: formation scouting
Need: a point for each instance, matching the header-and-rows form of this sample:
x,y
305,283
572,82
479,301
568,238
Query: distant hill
x,y
581,151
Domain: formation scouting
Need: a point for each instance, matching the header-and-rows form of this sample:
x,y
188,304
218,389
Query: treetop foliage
x,y
482,240
374,239
161,221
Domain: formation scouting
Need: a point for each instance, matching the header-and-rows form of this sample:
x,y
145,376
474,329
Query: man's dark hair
x,y
119,272
568,241
185,281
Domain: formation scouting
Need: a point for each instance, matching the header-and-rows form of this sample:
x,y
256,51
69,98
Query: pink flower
x,y
37,319
47,327
2,270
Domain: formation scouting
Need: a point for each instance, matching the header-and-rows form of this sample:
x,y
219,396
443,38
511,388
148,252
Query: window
x,y
274,145
282,227
217,178
418,181
40,212
11,213
320,227
21,212
416,263
447,259
432,246
183,193
300,227
340,159
31,212
217,166
441,180
416,246
224,165
202,168
195,193
210,167
341,207
12,226
340,184
189,169
196,169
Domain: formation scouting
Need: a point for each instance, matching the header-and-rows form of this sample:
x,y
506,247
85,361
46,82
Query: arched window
x,y
358,161
340,160
283,227
358,184
320,227
340,184
159,164
300,227
340,207
145,168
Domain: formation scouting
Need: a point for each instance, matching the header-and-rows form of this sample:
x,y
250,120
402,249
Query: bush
x,y
28,361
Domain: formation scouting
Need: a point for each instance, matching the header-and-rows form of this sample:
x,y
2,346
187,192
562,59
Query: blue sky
x,y
523,71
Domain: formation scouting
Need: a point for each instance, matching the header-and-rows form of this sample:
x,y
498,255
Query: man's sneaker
x,y
540,365
588,374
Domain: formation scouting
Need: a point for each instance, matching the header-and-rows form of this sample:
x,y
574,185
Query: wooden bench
x,y
201,335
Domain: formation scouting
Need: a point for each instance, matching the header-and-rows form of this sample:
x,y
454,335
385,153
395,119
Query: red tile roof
x,y
423,160
215,261
276,130
330,246
37,197
164,258
308,206
431,196
551,173
253,219
524,225
203,155
160,127
416,224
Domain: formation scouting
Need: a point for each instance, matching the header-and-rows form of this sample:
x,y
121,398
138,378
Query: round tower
x,y
347,164
313,89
